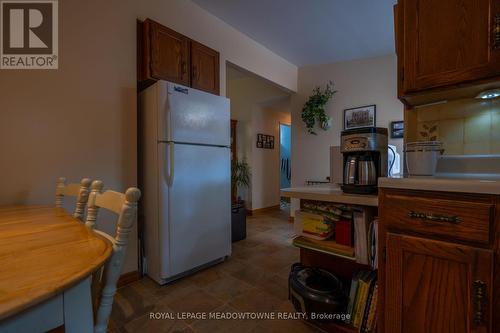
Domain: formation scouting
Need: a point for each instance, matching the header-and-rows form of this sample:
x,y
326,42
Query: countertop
x,y
443,184
329,193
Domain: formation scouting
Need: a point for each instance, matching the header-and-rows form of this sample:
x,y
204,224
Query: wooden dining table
x,y
47,258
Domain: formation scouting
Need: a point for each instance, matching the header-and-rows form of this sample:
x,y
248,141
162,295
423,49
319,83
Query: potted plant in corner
x,y
240,178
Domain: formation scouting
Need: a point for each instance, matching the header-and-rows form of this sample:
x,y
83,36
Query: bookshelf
x,y
344,268
344,261
325,246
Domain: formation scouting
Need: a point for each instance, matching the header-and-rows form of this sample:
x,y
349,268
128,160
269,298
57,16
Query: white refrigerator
x,y
185,176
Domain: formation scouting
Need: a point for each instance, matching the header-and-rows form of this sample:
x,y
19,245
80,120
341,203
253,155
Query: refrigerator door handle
x,y
170,163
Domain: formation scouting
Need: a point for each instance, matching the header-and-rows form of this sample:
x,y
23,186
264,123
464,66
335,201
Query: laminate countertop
x,y
443,184
329,193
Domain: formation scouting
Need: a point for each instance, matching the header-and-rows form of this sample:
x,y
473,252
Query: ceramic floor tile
x,y
227,288
259,301
197,301
225,325
254,278
144,324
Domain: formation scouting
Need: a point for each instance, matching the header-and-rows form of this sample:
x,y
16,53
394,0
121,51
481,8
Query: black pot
x,y
238,222
316,291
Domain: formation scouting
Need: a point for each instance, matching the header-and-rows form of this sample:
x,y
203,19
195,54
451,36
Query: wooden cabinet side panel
x,y
496,271
381,252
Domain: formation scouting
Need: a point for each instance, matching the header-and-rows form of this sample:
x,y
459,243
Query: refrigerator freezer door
x,y
193,116
197,222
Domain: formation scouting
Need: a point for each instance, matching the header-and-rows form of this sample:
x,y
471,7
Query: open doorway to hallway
x,y
285,162
258,107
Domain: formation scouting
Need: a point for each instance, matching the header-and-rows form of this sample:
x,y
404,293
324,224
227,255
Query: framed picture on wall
x,y
397,129
265,141
363,116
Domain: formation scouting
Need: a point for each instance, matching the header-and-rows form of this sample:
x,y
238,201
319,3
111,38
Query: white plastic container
x,y
422,157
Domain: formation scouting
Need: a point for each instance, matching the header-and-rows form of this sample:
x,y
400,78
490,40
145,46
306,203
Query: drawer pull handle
x,y
434,217
496,32
479,292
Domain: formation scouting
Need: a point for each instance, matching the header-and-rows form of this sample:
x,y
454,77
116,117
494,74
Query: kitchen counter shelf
x,y
329,193
325,246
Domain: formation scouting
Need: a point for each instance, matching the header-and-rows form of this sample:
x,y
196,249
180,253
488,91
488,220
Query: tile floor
x,y
253,279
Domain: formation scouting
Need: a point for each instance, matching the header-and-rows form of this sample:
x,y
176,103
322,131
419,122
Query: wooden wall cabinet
x,y
433,275
446,43
204,68
165,54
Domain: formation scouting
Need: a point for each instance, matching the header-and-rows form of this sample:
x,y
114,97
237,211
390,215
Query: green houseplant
x,y
240,176
314,108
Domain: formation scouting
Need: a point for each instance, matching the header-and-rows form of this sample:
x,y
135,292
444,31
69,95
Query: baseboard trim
x,y
127,278
264,210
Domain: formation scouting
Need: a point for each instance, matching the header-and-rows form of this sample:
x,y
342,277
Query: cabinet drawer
x,y
437,216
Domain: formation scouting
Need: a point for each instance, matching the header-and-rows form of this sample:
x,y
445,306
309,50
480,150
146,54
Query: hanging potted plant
x,y
240,177
314,109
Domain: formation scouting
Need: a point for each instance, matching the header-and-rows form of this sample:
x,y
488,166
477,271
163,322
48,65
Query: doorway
x,y
285,161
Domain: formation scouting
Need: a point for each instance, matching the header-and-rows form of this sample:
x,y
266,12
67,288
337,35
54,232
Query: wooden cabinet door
x,y
169,54
204,68
436,287
448,42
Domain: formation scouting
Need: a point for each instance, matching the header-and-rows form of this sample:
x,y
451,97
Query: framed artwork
x,y
265,141
363,116
397,129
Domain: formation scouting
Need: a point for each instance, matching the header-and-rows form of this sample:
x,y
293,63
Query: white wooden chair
x,y
80,191
125,206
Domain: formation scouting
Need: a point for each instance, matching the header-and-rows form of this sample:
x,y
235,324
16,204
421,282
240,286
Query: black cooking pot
x,y
316,292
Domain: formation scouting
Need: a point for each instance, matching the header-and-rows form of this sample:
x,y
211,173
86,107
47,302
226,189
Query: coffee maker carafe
x,y
365,159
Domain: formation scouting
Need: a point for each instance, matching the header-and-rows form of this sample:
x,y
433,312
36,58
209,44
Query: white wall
x,y
191,20
80,120
266,162
250,97
359,82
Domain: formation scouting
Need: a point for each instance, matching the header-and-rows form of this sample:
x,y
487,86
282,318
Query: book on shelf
x,y
371,320
362,243
368,305
361,308
364,286
352,296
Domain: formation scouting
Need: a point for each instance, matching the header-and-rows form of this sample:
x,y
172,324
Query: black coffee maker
x,y
365,159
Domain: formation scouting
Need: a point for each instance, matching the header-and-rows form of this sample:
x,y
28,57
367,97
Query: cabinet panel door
x,y
436,287
204,68
448,42
169,54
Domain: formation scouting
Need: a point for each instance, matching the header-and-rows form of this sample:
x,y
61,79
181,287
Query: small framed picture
x,y
363,116
397,129
265,141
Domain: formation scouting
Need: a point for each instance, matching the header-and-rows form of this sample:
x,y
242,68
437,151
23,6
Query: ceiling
x,y
307,32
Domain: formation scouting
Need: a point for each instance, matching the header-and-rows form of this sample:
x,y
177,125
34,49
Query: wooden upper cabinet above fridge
x,y
447,42
204,68
168,53
164,54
